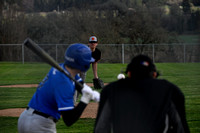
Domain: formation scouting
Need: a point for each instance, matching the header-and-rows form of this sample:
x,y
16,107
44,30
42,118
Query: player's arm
x,y
97,56
80,80
78,88
179,102
94,69
97,82
71,116
103,119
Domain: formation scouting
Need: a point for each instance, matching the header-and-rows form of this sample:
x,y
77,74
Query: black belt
x,y
43,114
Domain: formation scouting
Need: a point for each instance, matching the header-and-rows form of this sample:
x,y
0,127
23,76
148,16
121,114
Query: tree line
x,y
112,21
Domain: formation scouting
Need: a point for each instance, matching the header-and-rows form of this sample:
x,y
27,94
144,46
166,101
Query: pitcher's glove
x,y
98,83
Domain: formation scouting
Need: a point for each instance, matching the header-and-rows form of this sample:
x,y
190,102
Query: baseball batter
x,y
54,95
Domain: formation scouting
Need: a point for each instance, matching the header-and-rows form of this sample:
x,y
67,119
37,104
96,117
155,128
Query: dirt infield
x,y
89,112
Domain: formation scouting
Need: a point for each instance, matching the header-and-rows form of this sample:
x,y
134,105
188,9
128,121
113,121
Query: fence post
x,y
153,54
122,53
184,52
56,53
22,53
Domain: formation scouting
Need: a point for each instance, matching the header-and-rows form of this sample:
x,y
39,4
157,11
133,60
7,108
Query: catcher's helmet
x,y
78,56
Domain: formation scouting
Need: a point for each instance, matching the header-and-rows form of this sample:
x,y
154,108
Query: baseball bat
x,y
47,58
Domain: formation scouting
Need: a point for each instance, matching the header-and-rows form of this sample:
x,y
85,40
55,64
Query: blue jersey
x,y
54,94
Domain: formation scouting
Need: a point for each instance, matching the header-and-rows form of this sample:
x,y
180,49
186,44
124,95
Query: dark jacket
x,y
141,106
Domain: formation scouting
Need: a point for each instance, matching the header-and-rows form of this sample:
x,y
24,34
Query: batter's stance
x,y
54,95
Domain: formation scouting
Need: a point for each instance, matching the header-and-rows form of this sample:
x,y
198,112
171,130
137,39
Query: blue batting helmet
x,y
78,56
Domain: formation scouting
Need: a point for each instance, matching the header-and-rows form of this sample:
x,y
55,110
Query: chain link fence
x,y
111,53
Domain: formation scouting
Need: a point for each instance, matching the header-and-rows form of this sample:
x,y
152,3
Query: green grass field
x,y
184,75
189,38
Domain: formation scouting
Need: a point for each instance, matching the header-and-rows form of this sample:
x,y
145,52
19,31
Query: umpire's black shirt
x,y
140,106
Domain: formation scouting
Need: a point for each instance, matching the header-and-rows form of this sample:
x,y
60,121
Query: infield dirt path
x,y
34,85
89,112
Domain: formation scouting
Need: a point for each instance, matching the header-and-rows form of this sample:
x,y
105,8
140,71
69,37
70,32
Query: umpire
x,y
141,103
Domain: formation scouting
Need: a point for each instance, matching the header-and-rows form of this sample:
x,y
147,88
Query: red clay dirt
x,y
89,112
32,85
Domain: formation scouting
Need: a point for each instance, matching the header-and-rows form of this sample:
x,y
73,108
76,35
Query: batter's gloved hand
x,y
98,83
96,96
87,94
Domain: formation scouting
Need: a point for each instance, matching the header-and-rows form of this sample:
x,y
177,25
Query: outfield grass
x,y
187,77
189,38
184,75
33,73
84,125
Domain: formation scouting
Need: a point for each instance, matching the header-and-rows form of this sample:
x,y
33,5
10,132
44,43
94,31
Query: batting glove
x,y
87,94
96,96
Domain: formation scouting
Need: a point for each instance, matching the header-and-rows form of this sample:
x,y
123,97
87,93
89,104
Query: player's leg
x,y
29,122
